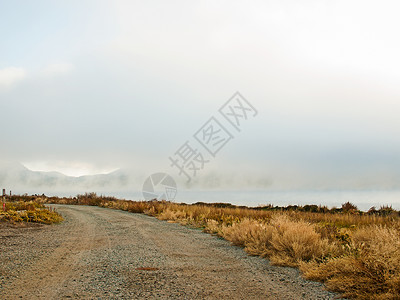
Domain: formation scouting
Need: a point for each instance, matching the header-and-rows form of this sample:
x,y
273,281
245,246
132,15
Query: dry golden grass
x,y
284,241
354,253
296,241
29,212
370,268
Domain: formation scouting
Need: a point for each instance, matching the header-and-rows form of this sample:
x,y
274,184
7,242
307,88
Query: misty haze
x,y
98,100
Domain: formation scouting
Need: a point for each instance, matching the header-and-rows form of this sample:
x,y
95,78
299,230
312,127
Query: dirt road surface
x,y
99,253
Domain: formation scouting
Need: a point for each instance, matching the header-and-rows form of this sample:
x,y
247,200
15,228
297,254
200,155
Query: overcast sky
x,y
93,86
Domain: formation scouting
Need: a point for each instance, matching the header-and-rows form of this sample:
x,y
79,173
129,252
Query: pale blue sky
x,y
92,86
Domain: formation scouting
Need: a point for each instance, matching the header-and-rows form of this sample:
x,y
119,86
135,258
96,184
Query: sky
x,y
89,87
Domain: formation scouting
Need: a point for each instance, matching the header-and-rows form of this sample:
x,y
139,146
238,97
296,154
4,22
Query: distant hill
x,y
18,177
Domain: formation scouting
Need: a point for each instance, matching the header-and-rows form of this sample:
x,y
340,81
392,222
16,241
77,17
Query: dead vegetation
x,y
29,211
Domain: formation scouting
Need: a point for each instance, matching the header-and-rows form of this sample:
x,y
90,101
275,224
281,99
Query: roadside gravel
x,y
99,253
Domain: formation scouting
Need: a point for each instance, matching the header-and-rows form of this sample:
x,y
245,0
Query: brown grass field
x,y
354,253
29,211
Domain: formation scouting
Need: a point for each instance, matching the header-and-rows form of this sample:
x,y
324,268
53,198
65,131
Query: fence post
x,y
4,198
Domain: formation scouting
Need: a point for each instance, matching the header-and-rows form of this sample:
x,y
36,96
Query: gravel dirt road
x,y
99,253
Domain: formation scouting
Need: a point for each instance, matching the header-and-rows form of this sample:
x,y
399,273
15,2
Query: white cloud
x,y
10,76
57,69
